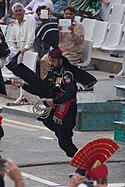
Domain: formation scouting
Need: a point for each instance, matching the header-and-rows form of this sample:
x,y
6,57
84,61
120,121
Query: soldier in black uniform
x,y
4,52
59,87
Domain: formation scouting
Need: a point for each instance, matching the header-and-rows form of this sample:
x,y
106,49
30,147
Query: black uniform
x,y
4,51
2,8
61,86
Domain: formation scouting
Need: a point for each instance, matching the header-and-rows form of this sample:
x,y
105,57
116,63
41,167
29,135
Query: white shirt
x,y
35,3
23,35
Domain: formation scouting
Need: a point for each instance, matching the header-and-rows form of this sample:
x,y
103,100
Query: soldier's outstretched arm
x,y
35,85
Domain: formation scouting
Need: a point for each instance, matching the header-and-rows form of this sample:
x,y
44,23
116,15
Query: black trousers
x,y
63,132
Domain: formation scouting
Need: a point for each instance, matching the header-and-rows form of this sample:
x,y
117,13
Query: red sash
x,y
61,111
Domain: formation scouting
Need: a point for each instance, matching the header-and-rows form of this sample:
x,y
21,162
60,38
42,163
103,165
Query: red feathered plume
x,y
100,149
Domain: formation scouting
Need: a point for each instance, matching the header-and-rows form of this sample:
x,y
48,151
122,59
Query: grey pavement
x,y
119,157
26,110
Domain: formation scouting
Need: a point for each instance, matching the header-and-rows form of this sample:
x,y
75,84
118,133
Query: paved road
x,y
36,150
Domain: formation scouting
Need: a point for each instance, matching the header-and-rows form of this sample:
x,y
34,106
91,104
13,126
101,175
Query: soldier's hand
x,y
17,82
50,102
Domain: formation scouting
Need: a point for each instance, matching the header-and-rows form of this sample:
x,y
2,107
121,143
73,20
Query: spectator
x,y
33,5
13,171
59,5
52,16
23,31
2,8
9,18
71,43
39,46
43,19
88,8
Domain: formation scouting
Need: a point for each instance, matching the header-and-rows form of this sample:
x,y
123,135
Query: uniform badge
x,y
68,78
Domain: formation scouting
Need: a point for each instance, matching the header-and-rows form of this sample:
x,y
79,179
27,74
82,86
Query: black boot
x,y
13,62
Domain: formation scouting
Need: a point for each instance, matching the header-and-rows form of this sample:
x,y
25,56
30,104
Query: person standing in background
x,y
33,5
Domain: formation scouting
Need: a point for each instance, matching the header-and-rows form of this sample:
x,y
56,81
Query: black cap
x,y
55,53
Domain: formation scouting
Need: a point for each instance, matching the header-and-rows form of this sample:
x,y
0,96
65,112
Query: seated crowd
x,y
27,17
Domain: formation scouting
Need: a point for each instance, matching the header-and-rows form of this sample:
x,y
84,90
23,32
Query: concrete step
x,y
98,116
104,62
120,90
119,131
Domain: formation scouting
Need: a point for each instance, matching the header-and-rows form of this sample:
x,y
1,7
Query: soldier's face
x,y
54,63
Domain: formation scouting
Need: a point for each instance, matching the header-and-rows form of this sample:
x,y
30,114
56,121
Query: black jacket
x,y
59,85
